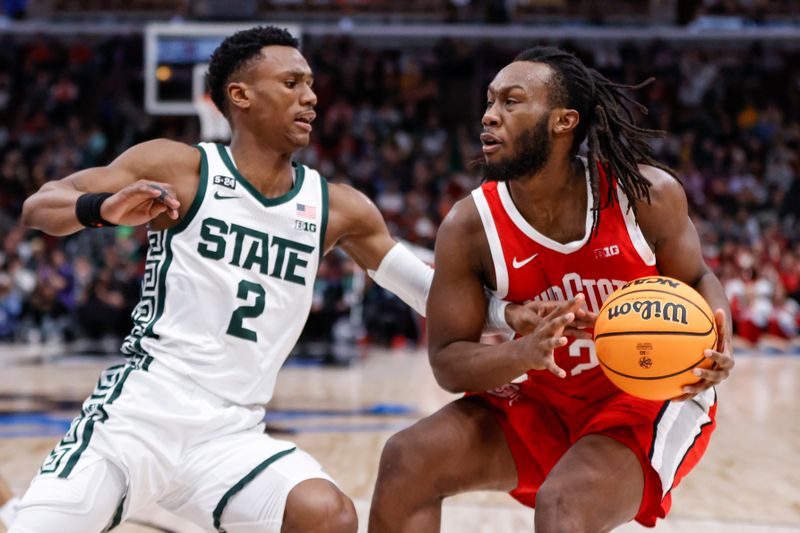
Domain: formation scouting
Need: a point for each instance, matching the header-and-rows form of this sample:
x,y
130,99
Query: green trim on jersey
x,y
323,183
241,484
162,287
108,389
268,202
166,236
202,184
118,514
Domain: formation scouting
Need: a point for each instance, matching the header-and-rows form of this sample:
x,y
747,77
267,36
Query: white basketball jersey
x,y
227,291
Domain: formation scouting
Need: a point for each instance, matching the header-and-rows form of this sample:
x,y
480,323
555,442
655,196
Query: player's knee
x,y
402,458
319,506
557,510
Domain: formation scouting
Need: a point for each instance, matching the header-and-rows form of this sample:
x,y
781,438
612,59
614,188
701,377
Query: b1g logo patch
x,y
302,225
225,181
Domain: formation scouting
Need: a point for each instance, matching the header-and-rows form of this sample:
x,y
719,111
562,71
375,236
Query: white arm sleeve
x,y
496,315
404,274
408,277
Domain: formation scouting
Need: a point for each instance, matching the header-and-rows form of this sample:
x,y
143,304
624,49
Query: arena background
x,y
401,88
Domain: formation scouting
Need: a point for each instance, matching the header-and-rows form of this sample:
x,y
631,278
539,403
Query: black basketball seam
x,y
713,346
650,378
716,338
608,302
677,333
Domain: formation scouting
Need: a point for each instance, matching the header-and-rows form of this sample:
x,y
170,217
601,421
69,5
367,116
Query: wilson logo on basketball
x,y
649,309
645,362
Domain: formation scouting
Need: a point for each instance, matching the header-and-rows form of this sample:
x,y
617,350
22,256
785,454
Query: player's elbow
x,y
447,382
28,210
444,375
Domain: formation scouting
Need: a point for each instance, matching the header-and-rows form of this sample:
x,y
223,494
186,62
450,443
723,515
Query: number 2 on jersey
x,y
235,326
575,350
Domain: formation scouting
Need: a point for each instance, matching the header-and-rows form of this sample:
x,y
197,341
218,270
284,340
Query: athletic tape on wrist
x,y
496,313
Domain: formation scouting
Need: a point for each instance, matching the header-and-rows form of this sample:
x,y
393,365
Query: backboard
x,y
175,55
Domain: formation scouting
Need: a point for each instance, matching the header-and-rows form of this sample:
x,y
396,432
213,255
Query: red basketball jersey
x,y
530,266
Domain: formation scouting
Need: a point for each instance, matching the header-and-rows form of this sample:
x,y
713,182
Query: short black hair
x,y
236,51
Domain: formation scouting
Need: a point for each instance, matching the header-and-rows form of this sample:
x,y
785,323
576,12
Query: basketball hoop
x,y
213,124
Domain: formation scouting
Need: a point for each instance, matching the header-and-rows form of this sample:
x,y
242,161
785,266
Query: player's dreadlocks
x,y
235,52
615,142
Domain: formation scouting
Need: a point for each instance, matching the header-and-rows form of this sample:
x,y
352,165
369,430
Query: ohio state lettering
x,y
572,284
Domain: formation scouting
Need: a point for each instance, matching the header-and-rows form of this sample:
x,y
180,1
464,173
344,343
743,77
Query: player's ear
x,y
566,120
238,94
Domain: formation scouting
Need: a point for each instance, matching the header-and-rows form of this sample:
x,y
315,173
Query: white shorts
x,y
177,444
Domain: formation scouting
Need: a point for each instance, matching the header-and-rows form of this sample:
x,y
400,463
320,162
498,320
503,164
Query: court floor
x,y
749,481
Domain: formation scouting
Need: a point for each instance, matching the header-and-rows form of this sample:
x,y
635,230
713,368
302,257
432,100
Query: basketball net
x,y
213,125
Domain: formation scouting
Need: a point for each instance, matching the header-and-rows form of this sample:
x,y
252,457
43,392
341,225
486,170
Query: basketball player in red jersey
x,y
551,226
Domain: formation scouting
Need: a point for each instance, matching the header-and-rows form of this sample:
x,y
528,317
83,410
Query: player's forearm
x,y
711,289
463,366
52,209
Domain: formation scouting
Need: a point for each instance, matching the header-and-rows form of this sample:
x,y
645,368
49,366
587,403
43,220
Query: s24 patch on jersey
x,y
225,181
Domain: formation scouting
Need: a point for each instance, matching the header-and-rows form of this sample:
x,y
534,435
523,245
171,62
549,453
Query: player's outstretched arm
x,y
357,226
666,225
457,312
141,182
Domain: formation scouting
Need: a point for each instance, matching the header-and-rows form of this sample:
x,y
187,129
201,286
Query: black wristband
x,y
87,209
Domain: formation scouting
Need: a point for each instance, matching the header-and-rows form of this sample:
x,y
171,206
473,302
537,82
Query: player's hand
x,y
538,347
723,361
139,203
523,318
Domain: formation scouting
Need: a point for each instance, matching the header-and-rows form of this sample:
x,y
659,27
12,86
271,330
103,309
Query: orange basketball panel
x,y
652,356
649,310
656,389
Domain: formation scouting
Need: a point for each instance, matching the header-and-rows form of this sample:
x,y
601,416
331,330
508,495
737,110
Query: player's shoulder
x,y
463,218
162,153
342,195
351,211
663,185
167,148
667,206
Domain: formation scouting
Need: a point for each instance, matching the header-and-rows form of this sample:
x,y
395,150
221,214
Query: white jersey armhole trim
x,y
634,231
495,247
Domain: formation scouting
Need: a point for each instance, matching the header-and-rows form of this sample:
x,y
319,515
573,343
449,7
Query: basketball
x,y
651,333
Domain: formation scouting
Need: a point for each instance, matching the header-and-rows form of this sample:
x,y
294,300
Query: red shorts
x,y
541,423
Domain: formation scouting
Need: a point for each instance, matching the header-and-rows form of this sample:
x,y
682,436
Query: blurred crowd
x,y
402,126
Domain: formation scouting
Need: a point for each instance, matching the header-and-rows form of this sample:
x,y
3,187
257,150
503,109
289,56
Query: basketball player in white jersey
x,y
550,225
236,236
8,504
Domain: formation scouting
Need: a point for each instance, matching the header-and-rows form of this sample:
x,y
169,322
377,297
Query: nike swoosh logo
x,y
520,264
218,196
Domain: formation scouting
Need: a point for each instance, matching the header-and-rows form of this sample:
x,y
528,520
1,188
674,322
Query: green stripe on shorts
x,y
241,484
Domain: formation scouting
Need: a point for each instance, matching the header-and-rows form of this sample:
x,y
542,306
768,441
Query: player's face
x,y
516,136
281,97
